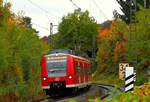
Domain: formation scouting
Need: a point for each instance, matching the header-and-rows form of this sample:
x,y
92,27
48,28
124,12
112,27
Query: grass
x,y
106,78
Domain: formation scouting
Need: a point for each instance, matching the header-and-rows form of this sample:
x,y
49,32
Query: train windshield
x,y
56,66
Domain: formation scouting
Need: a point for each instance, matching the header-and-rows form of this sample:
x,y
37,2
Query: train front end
x,y
56,72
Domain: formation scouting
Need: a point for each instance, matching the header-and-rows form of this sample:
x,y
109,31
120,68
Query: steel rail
x,y
108,89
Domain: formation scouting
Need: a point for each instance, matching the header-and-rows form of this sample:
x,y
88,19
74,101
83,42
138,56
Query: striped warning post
x,y
129,79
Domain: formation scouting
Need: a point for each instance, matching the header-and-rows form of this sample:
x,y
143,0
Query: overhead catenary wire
x,y
95,5
100,9
47,12
40,26
75,4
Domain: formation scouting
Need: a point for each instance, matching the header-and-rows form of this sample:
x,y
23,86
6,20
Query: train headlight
x,y
44,78
69,77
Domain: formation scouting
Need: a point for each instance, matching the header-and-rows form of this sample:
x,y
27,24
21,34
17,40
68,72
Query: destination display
x,y
54,58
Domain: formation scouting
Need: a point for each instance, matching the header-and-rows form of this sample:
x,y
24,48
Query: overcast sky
x,y
44,12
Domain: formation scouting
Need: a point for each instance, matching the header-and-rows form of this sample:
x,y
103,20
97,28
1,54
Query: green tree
x,y
76,31
20,54
142,45
125,8
27,22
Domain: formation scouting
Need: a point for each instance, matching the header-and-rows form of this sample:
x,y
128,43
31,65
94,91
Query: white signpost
x,y
129,79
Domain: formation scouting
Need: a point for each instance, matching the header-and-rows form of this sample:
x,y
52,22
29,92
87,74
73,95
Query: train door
x,y
79,72
84,73
77,69
76,72
87,72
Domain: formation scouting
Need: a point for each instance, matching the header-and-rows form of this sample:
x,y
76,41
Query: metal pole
x,y
133,33
51,32
149,45
93,52
93,44
144,3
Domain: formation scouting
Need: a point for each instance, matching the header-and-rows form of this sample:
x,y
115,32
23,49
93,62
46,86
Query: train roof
x,y
57,54
80,57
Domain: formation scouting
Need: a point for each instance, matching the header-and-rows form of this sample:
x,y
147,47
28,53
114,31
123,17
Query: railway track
x,y
108,89
104,91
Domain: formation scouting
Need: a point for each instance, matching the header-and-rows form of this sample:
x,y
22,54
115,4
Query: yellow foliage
x,y
8,5
1,2
19,73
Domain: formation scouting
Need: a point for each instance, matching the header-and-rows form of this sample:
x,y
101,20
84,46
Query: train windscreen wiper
x,y
54,70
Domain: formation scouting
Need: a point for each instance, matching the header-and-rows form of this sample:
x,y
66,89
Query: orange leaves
x,y
104,33
11,19
106,28
16,19
144,90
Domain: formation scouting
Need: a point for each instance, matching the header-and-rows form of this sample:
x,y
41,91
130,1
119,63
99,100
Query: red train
x,y
61,70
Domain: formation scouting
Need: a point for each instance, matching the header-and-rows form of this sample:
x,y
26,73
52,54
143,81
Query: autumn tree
x,y
111,47
114,46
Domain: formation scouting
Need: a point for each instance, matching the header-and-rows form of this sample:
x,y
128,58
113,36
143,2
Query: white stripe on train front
x,y
77,85
70,86
46,87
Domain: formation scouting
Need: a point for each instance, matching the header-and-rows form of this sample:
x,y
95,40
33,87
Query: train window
x,y
56,66
84,70
78,68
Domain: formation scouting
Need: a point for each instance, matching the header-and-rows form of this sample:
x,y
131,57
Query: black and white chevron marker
x,y
129,79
